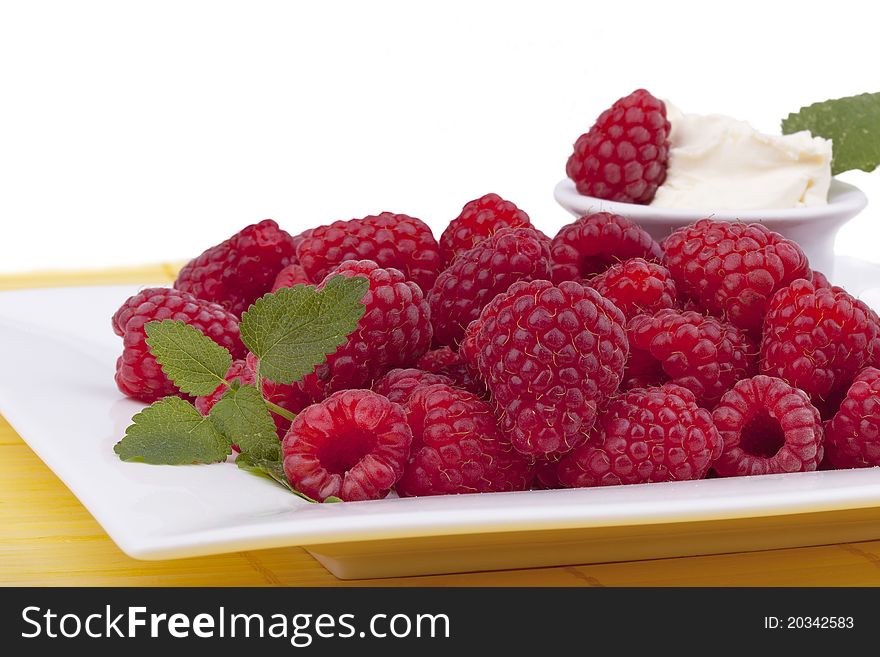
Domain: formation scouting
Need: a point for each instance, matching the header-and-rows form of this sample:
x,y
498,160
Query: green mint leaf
x,y
242,416
293,330
193,361
269,468
330,499
272,469
851,123
172,432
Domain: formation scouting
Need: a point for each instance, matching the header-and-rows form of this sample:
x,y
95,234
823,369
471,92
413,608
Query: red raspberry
x,y
636,286
450,363
298,239
287,396
457,447
394,332
700,353
645,435
820,280
546,476
624,156
476,276
478,220
549,355
399,384
818,340
390,240
138,375
595,242
767,427
353,445
852,437
240,270
289,276
733,269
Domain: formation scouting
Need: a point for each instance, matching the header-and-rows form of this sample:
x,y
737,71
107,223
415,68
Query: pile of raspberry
x,y
498,359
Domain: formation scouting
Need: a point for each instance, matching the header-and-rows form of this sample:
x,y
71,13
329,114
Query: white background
x,y
142,132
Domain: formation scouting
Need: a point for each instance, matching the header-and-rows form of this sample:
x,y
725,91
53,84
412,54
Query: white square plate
x,y
57,356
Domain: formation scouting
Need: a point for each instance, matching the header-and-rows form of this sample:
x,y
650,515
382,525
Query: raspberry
x,y
624,156
287,396
394,332
450,363
852,437
546,477
818,340
645,435
353,445
549,355
733,269
767,427
390,240
595,242
820,280
457,447
399,384
700,353
476,276
138,375
636,286
297,239
478,220
237,272
289,276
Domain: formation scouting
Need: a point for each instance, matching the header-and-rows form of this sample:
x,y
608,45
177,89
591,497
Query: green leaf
x,y
293,330
272,469
172,432
853,125
193,361
242,416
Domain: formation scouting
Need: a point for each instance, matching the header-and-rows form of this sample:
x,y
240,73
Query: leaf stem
x,y
278,410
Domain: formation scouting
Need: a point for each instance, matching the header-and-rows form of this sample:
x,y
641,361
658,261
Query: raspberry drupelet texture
x,y
546,476
700,353
291,275
237,272
636,286
478,220
818,340
767,427
594,242
138,375
819,280
450,363
394,332
476,276
624,156
549,356
388,239
399,384
457,447
852,437
353,445
733,269
645,435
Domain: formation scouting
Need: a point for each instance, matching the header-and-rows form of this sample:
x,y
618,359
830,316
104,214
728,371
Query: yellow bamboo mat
x,y
48,538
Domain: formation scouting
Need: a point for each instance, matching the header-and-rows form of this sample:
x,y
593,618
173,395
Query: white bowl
x,y
814,228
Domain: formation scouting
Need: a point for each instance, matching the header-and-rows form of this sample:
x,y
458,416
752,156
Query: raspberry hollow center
x,y
762,435
346,450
